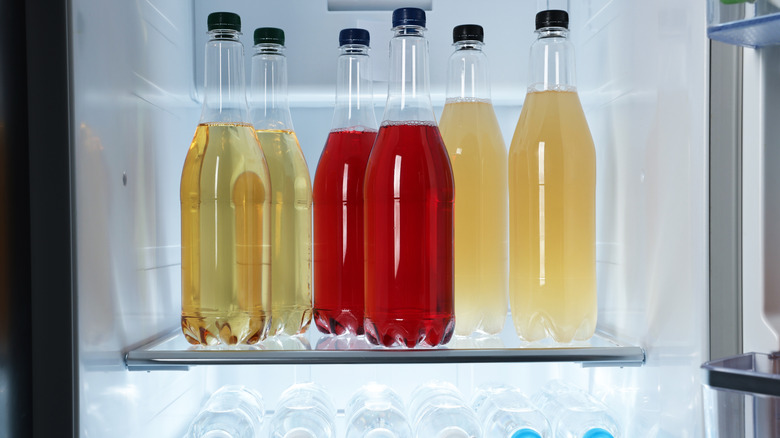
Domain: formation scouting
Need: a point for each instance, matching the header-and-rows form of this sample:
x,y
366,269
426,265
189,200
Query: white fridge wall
x,y
642,75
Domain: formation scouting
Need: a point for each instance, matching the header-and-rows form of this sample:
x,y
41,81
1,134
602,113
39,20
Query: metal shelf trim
x,y
154,355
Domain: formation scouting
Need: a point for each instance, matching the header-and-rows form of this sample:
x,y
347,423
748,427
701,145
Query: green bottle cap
x,y
269,35
224,20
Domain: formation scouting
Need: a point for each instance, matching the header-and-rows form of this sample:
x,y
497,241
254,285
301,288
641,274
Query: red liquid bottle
x,y
409,193
338,193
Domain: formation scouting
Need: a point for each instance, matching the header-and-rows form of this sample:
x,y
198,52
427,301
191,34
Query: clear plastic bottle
x,y
439,411
230,412
339,287
573,413
552,198
409,192
304,410
478,155
290,184
225,207
505,412
376,411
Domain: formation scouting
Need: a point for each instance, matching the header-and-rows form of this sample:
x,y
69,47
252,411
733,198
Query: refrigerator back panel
x,y
137,76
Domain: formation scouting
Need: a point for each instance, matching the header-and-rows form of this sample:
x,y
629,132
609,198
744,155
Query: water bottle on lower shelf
x,y
376,411
440,412
304,411
505,412
573,413
230,412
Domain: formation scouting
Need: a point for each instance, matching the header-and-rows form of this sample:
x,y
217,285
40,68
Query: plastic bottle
x,y
304,410
505,412
338,193
376,411
230,412
573,413
409,192
290,184
439,411
478,155
225,207
552,198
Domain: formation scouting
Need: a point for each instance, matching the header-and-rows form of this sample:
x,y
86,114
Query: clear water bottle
x,y
440,412
573,413
376,411
230,412
304,411
505,412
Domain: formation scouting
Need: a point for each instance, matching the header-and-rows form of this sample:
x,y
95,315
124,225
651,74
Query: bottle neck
x,y
552,61
408,94
270,108
467,73
224,99
354,94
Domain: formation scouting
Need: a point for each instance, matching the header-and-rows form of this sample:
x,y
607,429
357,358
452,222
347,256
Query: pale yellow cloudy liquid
x,y
552,189
479,164
290,231
225,217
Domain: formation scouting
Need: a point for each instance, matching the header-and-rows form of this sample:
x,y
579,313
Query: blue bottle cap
x,y
354,36
408,17
597,433
526,433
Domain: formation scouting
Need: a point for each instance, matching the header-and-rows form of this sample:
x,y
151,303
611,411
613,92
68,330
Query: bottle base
x,y
409,332
244,328
290,320
538,327
338,322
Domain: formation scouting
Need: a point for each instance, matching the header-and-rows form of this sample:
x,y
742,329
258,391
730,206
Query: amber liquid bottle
x,y
552,198
225,206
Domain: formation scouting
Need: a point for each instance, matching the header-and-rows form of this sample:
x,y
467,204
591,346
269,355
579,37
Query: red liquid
x,y
409,192
338,232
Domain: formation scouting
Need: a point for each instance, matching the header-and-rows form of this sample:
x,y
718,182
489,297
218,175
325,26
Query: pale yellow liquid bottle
x,y
478,156
291,231
225,207
479,164
552,204
291,198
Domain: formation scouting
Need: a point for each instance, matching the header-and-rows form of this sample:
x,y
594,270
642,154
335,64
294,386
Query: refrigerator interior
x,y
642,75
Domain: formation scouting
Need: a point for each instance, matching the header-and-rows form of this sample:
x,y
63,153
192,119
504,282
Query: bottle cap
x,y
224,20
354,36
552,18
380,433
597,433
468,32
269,35
453,432
299,432
526,433
408,17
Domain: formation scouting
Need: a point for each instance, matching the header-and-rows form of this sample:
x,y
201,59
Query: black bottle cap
x,y
354,36
224,20
408,17
552,18
269,35
468,32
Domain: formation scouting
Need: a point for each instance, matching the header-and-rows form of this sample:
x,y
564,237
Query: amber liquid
x,y
479,164
290,231
225,217
552,210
